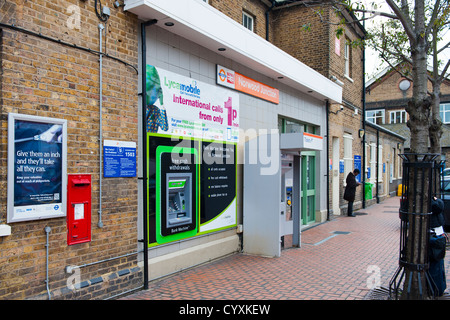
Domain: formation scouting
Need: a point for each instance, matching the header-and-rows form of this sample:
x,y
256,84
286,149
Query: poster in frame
x,y
37,167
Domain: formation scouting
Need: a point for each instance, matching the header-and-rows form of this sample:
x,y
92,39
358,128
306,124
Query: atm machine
x,y
179,209
176,193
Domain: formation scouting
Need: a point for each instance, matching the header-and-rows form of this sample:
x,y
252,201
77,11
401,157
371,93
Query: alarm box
x,y
78,208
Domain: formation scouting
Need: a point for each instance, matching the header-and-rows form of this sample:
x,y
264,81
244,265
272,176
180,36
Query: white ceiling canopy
x,y
202,24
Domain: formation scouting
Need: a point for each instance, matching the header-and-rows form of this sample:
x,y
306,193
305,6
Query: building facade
x,y
51,71
145,138
387,97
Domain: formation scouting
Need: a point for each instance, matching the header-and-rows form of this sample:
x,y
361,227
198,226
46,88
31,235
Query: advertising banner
x,y
192,132
182,106
36,167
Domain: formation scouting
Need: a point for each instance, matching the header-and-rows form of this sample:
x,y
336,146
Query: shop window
x,y
292,126
247,21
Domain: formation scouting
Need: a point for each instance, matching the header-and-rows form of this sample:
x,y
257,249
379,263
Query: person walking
x,y
350,190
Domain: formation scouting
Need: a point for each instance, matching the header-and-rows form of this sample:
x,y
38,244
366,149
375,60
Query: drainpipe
x,y
378,157
100,223
267,19
144,146
328,159
47,230
363,165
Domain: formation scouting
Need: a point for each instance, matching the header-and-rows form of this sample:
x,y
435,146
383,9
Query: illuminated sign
x,y
231,79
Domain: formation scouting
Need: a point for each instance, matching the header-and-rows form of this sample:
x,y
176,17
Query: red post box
x,y
78,208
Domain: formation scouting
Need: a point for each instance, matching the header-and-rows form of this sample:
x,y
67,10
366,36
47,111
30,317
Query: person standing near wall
x,y
350,190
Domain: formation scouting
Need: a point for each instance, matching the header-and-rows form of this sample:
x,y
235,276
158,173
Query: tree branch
x,y
436,10
377,13
443,48
444,71
404,19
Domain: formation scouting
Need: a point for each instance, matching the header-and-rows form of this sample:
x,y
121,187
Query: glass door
x,y
308,190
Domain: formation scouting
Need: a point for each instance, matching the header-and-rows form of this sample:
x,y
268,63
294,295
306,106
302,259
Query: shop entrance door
x,y
308,189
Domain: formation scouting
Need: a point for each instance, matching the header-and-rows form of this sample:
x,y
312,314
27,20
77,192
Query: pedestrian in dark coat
x,y
350,190
437,246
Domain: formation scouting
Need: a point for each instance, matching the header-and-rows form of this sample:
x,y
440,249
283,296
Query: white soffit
x,y
202,24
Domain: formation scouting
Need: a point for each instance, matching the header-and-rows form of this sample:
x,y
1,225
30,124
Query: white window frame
x,y
373,162
398,163
373,117
347,59
444,109
393,116
247,21
348,155
380,163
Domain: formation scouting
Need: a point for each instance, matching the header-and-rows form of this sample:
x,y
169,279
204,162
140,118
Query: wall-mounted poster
x,y
37,173
192,133
119,159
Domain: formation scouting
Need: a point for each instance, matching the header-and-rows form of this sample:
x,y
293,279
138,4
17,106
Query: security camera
x,y
342,107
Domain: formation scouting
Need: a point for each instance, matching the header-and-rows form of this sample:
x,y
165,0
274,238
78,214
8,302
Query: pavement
x,y
341,259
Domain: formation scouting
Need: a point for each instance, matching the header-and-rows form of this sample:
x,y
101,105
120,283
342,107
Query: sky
x,y
373,63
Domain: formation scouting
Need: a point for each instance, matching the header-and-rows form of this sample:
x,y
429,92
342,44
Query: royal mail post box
x,y
78,208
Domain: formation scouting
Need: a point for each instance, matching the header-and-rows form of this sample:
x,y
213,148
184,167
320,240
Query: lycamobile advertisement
x,y
193,129
182,106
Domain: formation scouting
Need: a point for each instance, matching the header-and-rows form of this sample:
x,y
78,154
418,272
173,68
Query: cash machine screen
x,y
179,210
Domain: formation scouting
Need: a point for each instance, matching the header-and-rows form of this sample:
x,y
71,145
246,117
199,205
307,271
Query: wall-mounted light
x,y
361,133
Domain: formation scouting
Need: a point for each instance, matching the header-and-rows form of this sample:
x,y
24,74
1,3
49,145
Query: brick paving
x,y
336,261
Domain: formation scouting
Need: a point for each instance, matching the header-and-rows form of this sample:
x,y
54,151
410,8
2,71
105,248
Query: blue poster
x,y
36,167
37,163
357,165
119,159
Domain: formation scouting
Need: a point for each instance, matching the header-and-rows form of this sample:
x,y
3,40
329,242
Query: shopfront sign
x,y
231,79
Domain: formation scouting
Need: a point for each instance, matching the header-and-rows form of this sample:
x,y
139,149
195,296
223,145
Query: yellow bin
x,y
399,190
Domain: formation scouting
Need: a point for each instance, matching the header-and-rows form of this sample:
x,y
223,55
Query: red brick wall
x,y
234,9
40,77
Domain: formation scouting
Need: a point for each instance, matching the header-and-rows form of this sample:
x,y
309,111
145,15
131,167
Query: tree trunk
x,y
418,108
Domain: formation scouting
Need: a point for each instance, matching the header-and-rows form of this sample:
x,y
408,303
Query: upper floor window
x,y
375,116
247,21
445,112
398,116
347,56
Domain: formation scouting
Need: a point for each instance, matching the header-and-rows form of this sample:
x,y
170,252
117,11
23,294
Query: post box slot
x,y
80,182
